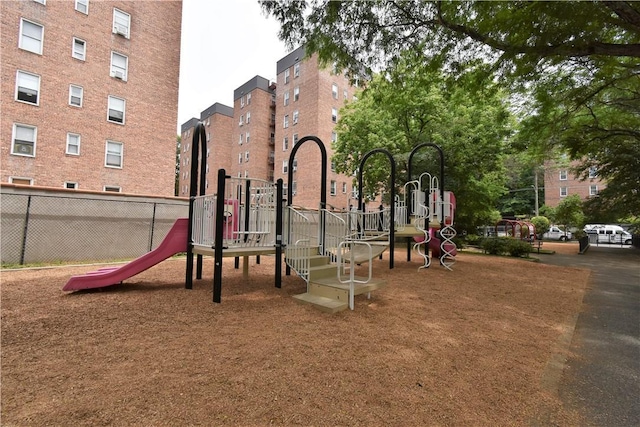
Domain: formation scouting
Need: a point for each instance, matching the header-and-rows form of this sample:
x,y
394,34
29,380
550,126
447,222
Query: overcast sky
x,y
224,44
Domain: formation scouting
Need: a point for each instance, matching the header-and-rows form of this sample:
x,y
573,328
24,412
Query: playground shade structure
x,y
174,242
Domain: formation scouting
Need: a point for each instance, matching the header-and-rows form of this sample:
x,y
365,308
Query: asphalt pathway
x,y
601,376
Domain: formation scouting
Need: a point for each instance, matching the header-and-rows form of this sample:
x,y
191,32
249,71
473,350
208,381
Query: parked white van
x,y
555,233
608,233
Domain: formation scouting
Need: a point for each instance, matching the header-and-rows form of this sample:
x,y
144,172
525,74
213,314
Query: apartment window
x,y
296,114
75,95
593,172
246,156
82,6
239,158
345,94
246,173
240,140
20,181
71,185
112,189
113,155
242,102
294,187
79,49
285,143
241,122
334,137
344,188
41,1
563,175
248,117
334,115
294,166
23,142
208,136
121,23
286,76
286,98
333,188
296,70
563,191
334,91
119,66
333,166
285,166
286,121
116,110
28,87
593,190
248,101
31,36
73,144
296,94
208,152
248,137
295,138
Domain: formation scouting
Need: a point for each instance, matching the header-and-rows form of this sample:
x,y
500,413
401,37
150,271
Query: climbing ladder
x,y
324,250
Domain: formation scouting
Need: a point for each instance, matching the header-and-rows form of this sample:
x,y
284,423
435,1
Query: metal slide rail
x,y
447,246
301,239
249,215
421,222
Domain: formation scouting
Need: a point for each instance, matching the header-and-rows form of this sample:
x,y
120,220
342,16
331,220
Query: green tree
x,y
412,105
541,223
176,190
575,65
569,212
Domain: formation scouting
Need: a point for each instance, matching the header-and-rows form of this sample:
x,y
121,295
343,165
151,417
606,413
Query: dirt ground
x,y
468,347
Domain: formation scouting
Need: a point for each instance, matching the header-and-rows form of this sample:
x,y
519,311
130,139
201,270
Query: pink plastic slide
x,y
175,242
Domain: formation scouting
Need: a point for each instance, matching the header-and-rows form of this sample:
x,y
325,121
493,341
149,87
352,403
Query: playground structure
x,y
251,217
523,230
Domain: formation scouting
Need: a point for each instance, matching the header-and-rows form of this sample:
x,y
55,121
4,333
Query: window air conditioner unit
x,y
118,75
120,29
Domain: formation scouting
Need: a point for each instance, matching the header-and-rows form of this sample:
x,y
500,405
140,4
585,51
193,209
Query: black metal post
x,y
218,249
25,229
279,224
198,141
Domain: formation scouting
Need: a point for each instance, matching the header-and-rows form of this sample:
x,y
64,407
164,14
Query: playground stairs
x,y
325,291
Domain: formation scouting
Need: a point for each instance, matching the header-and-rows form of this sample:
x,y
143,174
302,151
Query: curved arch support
x,y
393,194
323,178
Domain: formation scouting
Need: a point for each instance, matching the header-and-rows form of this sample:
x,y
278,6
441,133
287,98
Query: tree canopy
x,y
574,64
413,105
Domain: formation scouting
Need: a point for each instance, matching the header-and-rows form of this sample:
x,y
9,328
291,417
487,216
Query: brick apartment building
x,y
268,120
90,93
560,182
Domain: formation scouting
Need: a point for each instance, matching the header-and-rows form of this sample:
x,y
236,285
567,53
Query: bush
x,y
506,246
518,248
495,245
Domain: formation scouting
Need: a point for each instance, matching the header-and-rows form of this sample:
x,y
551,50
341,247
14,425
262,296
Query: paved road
x,y
601,378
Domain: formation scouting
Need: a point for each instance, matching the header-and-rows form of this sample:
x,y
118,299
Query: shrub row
x,y
505,246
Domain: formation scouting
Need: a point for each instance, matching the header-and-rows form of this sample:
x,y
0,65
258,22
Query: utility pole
x,y
535,188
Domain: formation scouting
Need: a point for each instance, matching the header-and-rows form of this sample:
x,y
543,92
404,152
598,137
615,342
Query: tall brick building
x,y
269,118
90,93
560,182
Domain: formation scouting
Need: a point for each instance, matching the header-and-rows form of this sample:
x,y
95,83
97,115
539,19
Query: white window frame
x,y
112,189
74,185
593,172
27,76
344,188
285,143
79,139
79,55
246,156
84,3
334,91
563,175
116,71
287,75
296,70
12,180
239,158
241,122
34,142
564,191
334,137
593,190
118,27
107,153
296,116
296,93
248,100
285,166
247,137
334,188
71,87
124,108
285,97
240,140
285,125
295,139
248,119
334,115
242,102
21,39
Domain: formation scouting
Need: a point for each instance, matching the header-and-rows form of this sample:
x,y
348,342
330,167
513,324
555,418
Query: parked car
x,y
605,233
555,233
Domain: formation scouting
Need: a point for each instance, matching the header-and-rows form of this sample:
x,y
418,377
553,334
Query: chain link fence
x,y
52,227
